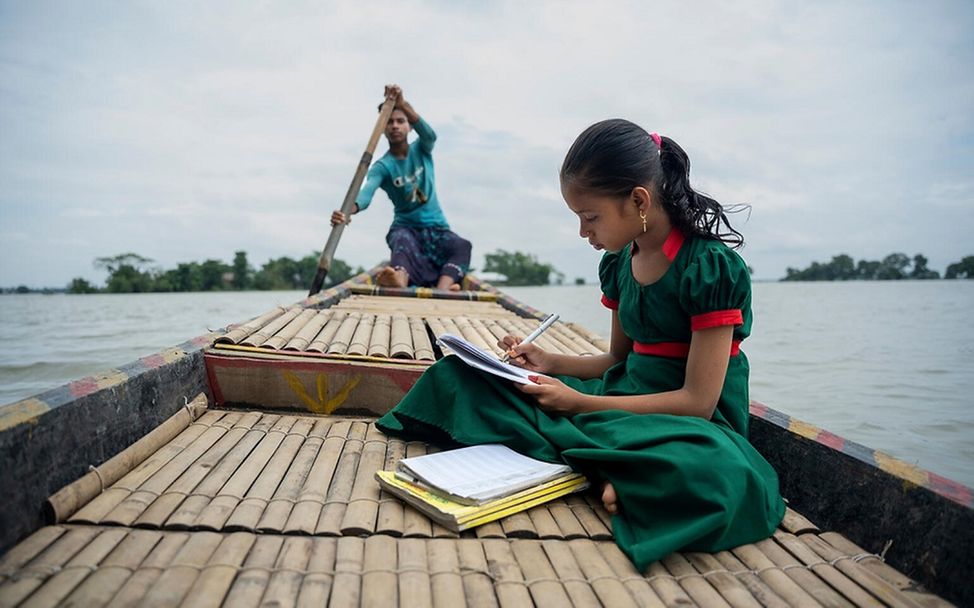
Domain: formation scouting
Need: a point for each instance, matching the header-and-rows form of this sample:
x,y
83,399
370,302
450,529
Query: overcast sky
x,y
183,131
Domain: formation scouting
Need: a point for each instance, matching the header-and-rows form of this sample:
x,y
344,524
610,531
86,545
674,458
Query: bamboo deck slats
x,y
248,507
397,328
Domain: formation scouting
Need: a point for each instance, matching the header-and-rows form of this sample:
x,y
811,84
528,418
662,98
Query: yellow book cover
x,y
458,517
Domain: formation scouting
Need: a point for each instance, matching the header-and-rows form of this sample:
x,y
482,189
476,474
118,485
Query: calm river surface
x,y
887,364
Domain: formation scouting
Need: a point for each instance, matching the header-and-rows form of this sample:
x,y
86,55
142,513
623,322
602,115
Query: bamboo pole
x,y
340,489
104,582
363,504
414,523
135,505
509,583
379,581
475,572
250,510
594,339
731,589
444,565
348,204
175,581
593,567
389,519
422,347
381,333
134,589
623,569
251,581
777,568
539,574
285,582
850,569
414,578
343,338
234,426
303,338
590,522
401,338
71,497
275,516
242,331
280,338
359,344
322,341
700,590
215,580
349,558
667,587
543,522
317,583
870,561
189,510
26,550
755,586
62,582
216,514
304,516
564,516
265,333
567,569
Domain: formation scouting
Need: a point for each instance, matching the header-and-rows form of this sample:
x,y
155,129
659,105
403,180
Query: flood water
x,y
886,364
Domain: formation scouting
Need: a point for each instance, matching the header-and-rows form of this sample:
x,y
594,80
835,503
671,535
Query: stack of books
x,y
464,488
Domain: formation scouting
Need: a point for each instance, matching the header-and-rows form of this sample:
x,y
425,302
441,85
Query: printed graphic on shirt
x,y
416,195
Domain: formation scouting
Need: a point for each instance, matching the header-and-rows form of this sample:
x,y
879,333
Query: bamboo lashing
x,y
71,497
348,204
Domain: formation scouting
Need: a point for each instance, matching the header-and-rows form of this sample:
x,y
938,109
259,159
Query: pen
x,y
548,322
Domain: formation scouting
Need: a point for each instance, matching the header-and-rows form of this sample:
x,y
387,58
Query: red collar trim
x,y
672,244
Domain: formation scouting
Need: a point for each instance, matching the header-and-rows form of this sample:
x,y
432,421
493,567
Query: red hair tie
x,y
658,140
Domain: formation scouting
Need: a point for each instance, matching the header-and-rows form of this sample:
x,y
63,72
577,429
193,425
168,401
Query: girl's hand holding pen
x,y
525,354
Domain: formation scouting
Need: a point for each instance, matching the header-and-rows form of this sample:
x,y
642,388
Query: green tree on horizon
x,y
520,268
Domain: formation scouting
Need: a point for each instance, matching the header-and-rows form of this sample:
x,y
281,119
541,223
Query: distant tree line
x,y
520,268
893,267
133,273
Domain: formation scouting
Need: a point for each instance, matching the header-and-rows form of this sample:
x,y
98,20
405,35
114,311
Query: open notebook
x,y
478,358
478,474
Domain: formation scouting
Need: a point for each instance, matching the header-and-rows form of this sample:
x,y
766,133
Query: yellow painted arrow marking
x,y
321,404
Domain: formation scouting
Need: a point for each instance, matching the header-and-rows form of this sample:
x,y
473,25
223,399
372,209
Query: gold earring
x,y
642,216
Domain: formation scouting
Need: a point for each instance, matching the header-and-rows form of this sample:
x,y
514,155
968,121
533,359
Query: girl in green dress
x,y
660,419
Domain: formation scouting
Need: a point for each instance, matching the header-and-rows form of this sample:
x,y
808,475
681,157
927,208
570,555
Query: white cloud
x,y
190,131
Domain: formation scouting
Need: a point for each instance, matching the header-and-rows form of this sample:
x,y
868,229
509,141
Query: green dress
x,y
683,483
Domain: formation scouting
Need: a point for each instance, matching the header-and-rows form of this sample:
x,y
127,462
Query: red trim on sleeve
x,y
672,244
609,302
717,318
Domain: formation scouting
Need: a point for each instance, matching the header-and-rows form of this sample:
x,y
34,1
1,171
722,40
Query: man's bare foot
x,y
609,498
447,282
454,287
392,277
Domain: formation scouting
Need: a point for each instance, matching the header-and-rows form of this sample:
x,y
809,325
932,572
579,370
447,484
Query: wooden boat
x,y
238,467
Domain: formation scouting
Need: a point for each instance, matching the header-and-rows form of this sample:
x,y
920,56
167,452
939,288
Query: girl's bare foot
x,y
609,498
392,277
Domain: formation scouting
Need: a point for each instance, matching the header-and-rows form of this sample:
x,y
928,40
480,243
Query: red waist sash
x,y
675,350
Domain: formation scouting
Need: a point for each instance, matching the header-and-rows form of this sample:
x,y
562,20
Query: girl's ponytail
x,y
691,211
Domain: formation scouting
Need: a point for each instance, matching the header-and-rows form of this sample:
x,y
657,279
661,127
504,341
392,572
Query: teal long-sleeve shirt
x,y
410,183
